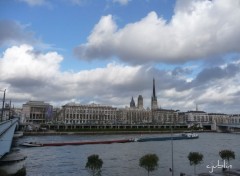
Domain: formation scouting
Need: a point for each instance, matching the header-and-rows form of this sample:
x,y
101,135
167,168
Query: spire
x,y
196,107
154,103
154,93
132,103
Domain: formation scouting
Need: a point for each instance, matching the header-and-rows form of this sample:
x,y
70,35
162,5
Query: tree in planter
x,y
94,165
149,162
227,155
195,158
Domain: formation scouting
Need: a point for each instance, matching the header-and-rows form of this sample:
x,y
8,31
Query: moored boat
x,y
31,144
18,134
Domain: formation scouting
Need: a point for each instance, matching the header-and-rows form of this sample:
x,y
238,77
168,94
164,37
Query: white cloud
x,y
35,2
122,2
38,75
198,29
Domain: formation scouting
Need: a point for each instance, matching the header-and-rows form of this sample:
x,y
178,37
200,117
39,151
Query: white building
x,y
234,118
36,112
133,116
88,114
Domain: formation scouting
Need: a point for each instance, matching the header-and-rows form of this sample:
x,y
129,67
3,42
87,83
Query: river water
x,y
123,159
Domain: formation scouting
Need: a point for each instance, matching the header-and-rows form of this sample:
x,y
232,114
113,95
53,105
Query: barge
x,y
34,144
167,138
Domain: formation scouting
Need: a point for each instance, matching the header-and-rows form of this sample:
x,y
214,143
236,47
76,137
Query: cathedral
x,y
154,104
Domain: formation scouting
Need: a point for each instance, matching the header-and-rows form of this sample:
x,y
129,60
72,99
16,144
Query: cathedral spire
x,y
154,103
132,103
154,93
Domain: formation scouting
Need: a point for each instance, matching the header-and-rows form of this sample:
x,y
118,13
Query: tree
x,y
94,165
195,158
227,155
149,162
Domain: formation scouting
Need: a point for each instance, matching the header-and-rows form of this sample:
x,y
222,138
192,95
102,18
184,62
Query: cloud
x,y
122,2
198,29
28,74
12,33
35,2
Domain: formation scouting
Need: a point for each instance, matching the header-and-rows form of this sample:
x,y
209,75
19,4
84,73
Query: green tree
x,y
227,155
149,162
94,165
195,158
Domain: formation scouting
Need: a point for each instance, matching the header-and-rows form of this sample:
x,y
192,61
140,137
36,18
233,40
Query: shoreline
x,y
48,133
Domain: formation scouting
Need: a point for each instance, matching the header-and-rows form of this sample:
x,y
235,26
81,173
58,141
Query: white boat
x,y
190,135
18,134
31,144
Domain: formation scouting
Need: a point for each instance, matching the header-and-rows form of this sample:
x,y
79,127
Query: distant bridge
x,y
7,129
230,125
224,127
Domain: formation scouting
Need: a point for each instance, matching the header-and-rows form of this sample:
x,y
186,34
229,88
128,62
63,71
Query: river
x,y
123,159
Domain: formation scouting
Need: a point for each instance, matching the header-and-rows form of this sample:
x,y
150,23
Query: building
x,y
36,112
164,116
88,114
219,118
234,118
134,116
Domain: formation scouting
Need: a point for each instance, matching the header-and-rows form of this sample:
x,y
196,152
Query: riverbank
x,y
94,132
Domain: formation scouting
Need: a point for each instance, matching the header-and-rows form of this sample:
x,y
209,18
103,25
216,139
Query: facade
x,y
196,116
164,116
133,116
36,112
218,118
88,114
234,119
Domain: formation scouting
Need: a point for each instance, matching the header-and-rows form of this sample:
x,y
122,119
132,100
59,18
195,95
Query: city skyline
x,y
109,51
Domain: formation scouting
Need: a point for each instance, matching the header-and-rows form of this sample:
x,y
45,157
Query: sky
x,y
108,51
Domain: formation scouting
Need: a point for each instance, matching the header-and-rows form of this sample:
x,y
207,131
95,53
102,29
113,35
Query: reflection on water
x,y
123,159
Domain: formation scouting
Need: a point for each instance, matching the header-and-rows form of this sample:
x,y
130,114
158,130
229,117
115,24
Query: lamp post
x,y
3,105
172,170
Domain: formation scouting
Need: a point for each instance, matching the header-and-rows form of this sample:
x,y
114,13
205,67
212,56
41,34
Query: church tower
x,y
140,102
132,103
154,104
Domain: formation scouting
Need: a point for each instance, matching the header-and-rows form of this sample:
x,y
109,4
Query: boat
x,y
34,144
166,138
18,134
87,142
31,144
